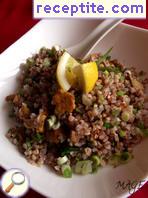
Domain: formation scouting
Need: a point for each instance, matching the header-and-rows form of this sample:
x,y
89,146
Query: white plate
x,y
131,48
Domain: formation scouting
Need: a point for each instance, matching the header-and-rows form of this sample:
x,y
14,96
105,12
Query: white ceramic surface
x,y
131,48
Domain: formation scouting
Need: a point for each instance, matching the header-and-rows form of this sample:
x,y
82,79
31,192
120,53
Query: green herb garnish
x,y
67,150
28,143
122,78
30,61
135,111
96,163
122,134
106,73
115,69
125,157
116,112
104,57
108,125
125,116
101,99
141,125
78,111
120,158
39,137
120,93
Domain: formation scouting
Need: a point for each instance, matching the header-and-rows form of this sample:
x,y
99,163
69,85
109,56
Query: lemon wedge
x,y
87,75
65,74
71,73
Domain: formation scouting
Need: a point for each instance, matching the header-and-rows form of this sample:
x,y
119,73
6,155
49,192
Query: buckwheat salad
x,y
84,127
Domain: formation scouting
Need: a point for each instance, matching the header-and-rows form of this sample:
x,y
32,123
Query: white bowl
x,y
131,48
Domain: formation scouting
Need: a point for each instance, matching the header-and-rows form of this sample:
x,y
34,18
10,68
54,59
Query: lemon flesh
x,y
65,75
87,75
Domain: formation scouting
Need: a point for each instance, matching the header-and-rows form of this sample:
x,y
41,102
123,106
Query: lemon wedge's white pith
x,y
64,71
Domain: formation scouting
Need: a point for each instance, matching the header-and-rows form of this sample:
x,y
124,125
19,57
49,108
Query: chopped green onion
x,y
96,160
104,57
101,65
78,110
78,167
108,125
30,62
96,163
99,86
29,146
39,137
50,52
83,167
103,69
114,69
78,98
67,150
139,131
122,78
143,129
122,134
87,167
125,157
116,111
106,73
42,50
66,171
120,93
141,125
114,160
135,111
125,116
95,168
62,160
28,143
46,62
120,158
101,99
